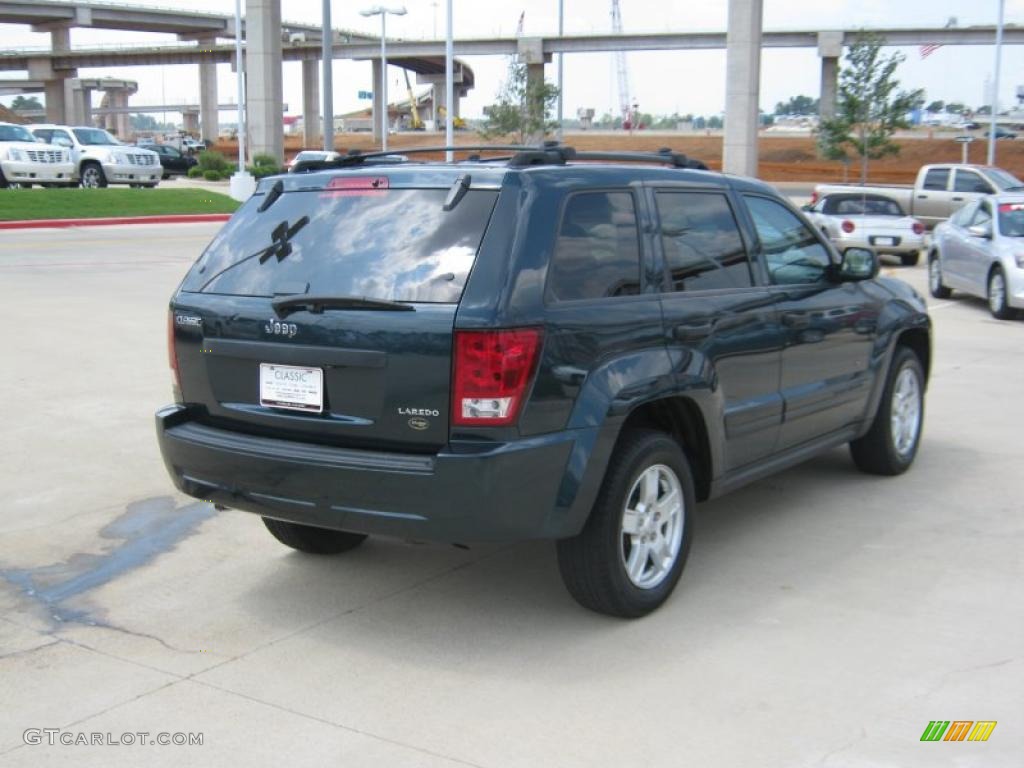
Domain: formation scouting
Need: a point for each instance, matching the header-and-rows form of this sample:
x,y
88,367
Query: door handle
x,y
957,199
922,197
795,320
693,331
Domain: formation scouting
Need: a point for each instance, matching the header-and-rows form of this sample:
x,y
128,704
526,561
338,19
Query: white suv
x,y
25,161
100,159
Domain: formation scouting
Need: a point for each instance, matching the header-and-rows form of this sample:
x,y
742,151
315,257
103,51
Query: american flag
x,y
928,49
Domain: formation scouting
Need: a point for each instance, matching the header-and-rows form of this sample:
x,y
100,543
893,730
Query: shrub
x,y
195,172
211,175
212,161
264,159
259,171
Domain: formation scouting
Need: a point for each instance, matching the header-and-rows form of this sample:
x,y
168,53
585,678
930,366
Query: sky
x,y
661,82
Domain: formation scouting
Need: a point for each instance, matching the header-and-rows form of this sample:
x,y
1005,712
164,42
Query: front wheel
x,y
935,285
93,176
998,302
314,541
627,559
891,444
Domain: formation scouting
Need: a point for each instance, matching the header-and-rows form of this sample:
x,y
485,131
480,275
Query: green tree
x,y
797,105
955,108
936,106
25,102
870,109
715,123
523,108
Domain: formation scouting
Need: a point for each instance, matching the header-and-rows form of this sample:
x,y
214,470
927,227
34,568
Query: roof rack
x,y
547,153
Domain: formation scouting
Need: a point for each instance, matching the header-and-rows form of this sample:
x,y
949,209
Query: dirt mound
x,y
783,158
7,116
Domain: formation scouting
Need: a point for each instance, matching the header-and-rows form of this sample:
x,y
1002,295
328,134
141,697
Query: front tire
x,y
998,302
314,541
92,176
891,444
627,559
935,285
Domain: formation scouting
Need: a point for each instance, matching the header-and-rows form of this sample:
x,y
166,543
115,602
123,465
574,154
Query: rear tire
x,y
627,559
998,301
891,444
935,285
314,541
910,259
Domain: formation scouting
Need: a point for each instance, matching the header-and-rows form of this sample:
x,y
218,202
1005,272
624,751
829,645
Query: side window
x,y
963,217
792,252
702,243
969,181
937,179
597,253
983,217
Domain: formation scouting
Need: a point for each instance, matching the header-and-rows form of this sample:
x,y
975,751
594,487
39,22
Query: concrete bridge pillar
x,y
742,87
209,122
311,128
190,122
59,97
264,95
830,48
81,103
122,121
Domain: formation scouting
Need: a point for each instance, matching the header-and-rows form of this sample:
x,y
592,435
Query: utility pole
x,y
561,31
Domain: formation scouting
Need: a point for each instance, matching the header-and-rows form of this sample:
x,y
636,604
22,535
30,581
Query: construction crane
x,y
622,71
414,114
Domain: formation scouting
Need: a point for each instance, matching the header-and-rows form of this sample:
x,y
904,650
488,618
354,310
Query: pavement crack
x,y
29,651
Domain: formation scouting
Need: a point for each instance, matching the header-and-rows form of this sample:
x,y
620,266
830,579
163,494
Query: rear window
x,y
936,178
863,206
597,254
392,244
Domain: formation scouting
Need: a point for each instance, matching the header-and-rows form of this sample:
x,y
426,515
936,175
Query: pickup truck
x,y
939,190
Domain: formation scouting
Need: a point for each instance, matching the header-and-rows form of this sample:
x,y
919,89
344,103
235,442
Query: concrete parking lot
x,y
824,618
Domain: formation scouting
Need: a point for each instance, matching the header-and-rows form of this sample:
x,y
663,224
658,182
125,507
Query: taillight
x,y
847,226
172,356
491,373
918,228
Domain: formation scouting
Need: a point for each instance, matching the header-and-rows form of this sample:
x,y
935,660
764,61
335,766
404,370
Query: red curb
x,y
190,218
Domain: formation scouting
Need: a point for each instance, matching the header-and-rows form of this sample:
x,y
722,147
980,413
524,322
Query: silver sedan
x,y
980,251
875,222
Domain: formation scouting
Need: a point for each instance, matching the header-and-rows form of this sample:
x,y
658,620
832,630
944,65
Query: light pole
x,y
995,89
449,86
242,182
380,10
561,31
327,55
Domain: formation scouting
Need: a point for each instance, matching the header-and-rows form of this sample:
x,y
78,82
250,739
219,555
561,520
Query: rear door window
x,y
937,179
391,244
702,243
597,252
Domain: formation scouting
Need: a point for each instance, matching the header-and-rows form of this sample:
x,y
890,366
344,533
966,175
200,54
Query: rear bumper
x,y
470,492
908,243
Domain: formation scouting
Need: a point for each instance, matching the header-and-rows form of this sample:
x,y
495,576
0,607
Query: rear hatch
x,y
324,310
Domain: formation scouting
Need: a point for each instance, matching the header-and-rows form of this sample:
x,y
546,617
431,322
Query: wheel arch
x,y
682,418
918,341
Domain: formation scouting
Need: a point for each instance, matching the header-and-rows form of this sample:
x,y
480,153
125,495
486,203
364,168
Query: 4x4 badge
x,y
418,424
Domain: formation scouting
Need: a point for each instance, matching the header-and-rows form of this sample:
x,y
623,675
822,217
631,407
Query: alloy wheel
x,y
651,533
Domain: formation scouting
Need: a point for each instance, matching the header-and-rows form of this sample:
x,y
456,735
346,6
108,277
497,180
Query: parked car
x,y
99,159
174,162
870,221
1001,133
534,348
980,251
25,161
940,190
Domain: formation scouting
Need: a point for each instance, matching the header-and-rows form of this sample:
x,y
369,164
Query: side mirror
x,y
858,264
981,230
806,207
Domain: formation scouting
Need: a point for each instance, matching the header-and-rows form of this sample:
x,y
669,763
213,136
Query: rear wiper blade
x,y
317,304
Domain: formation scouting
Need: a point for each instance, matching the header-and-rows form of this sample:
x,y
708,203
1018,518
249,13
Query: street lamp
x,y
382,11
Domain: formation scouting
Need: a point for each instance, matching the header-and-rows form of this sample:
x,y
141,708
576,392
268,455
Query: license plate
x,y
885,241
292,387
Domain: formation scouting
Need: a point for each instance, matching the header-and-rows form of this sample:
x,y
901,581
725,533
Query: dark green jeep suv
x,y
560,345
